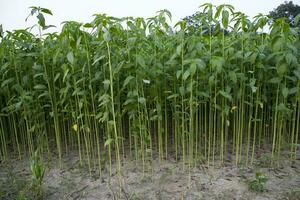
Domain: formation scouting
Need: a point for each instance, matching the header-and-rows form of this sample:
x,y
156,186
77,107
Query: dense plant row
x,y
116,87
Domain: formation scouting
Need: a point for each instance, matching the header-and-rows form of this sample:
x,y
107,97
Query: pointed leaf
x,y
70,57
285,92
186,75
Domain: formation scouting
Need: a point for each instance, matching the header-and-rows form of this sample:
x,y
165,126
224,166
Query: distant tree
x,y
194,22
1,31
198,24
289,10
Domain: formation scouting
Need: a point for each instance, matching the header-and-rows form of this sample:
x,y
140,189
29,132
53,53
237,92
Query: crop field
x,y
134,108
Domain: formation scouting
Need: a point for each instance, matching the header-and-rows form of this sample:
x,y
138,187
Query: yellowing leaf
x,y
75,127
233,108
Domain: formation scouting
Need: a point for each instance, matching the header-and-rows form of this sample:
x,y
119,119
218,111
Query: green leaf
x,y
232,76
204,94
47,11
172,96
290,59
293,90
285,92
7,81
88,25
282,107
108,142
66,72
142,100
193,68
98,59
44,94
218,12
140,60
106,84
278,43
281,69
56,77
253,58
275,80
106,36
186,75
49,26
217,63
225,18
40,87
70,57
179,49
128,101
178,73
297,19
181,90
226,95
200,63
127,80
41,20
297,73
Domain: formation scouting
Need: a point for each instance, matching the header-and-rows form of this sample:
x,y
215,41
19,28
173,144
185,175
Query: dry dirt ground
x,y
164,180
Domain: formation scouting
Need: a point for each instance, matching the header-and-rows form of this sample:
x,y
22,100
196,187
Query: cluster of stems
x,y
140,88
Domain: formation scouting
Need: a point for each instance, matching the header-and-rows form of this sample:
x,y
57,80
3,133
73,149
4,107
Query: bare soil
x,y
160,180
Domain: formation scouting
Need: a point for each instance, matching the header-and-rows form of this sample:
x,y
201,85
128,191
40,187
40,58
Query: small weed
x,y
258,184
14,185
265,160
242,172
21,196
293,194
37,170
